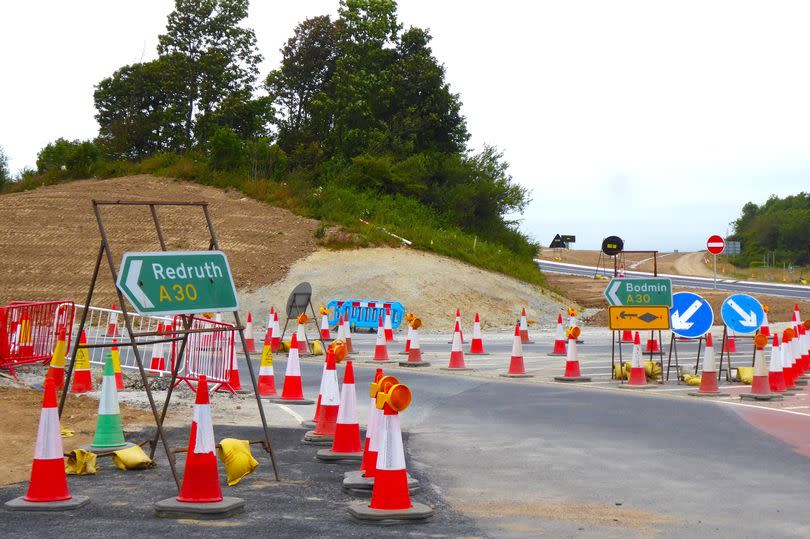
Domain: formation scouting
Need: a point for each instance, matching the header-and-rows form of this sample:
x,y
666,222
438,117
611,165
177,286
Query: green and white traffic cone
x,y
109,432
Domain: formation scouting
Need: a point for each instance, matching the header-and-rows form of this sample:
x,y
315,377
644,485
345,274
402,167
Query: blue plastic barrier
x,y
365,313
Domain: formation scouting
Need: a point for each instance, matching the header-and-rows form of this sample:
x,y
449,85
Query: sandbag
x,y
132,458
81,462
67,433
317,347
239,462
745,375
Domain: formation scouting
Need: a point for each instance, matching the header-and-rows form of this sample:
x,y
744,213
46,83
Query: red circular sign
x,y
715,244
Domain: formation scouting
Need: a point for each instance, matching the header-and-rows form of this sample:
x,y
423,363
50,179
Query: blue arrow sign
x,y
691,316
742,313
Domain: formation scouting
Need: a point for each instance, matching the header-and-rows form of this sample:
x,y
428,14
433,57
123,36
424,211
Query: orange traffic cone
x,y
559,339
368,466
787,360
776,375
456,353
621,276
792,346
407,342
326,335
346,445
708,378
516,367
303,345
158,363
275,341
524,328
292,391
765,328
267,378
731,342
804,341
458,321
387,328
314,421
48,488
652,346
380,348
112,322
390,497
270,314
234,382
56,371
572,372
627,336
82,379
477,344
347,334
760,386
327,411
415,350
638,378
116,363
250,341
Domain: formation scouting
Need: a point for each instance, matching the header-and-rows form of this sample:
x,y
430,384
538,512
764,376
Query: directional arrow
x,y
132,284
611,294
626,315
748,320
681,321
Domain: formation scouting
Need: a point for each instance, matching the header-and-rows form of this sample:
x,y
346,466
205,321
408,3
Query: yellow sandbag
x,y
285,346
691,379
652,369
81,462
132,458
238,460
67,433
619,373
317,347
745,375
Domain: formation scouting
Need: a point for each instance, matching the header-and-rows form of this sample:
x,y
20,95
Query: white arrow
x,y
611,294
132,284
681,321
748,320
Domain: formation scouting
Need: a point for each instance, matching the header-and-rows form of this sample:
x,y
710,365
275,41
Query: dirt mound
x,y
49,238
431,286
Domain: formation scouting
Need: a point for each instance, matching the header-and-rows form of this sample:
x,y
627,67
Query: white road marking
x,y
290,411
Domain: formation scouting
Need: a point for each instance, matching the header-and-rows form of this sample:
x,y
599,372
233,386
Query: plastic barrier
x,y
28,330
365,313
210,354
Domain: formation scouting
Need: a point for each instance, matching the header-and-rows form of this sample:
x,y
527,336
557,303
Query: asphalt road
x,y
748,287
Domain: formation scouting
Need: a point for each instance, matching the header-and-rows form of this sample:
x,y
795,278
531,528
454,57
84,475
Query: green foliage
x,y
226,150
781,225
68,159
5,175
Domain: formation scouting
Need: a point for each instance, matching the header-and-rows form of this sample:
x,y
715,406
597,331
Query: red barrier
x,y
206,353
28,331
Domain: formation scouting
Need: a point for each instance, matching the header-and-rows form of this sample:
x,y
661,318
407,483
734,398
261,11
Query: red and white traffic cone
x,y
270,314
250,341
524,328
708,378
787,360
796,352
456,353
458,321
314,421
804,340
292,391
407,342
326,418
56,370
760,385
234,382
368,466
303,345
82,378
275,341
326,335
116,361
559,339
516,367
765,328
731,342
387,327
415,351
621,271
346,445
477,343
200,490
267,377
347,334
158,362
572,371
652,345
380,348
48,488
790,342
627,336
776,374
797,315
112,322
638,378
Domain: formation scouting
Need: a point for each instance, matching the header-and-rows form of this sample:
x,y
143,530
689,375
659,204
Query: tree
x,y
222,56
5,175
71,159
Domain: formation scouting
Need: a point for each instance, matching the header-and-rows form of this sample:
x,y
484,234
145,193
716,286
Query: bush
x,y
68,159
226,150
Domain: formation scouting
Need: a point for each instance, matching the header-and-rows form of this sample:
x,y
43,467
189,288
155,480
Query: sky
x,y
654,121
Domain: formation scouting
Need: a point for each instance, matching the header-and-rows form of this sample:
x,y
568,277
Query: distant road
x,y
748,287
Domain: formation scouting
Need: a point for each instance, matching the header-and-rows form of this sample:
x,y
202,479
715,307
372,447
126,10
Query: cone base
x,y
171,508
761,396
418,511
380,361
457,369
100,449
800,381
310,438
634,386
279,400
308,424
524,375
572,378
357,482
699,394
414,363
477,353
20,504
328,455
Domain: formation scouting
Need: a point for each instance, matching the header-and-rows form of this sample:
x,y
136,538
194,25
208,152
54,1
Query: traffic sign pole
x,y
715,271
715,245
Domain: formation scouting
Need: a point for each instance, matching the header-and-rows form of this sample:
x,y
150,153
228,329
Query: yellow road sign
x,y
638,317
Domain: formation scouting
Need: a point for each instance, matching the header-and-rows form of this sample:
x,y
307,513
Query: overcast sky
x,y
649,120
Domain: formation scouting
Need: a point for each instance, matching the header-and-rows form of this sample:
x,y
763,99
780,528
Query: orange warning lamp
x,y
339,349
574,332
302,318
377,387
416,323
788,334
760,341
323,310
398,397
807,324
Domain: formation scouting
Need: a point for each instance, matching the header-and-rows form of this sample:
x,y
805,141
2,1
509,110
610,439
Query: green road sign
x,y
178,282
653,291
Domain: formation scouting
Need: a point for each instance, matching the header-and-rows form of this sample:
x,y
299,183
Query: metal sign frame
x,y
180,335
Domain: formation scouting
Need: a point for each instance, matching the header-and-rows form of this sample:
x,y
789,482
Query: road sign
x,y
742,313
178,282
715,244
638,318
732,248
557,243
691,316
612,245
653,291
569,238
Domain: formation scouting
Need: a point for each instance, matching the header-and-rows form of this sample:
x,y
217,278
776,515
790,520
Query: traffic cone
x,y
267,378
270,314
116,362
776,374
380,348
390,497
477,343
388,329
250,341
415,350
638,378
627,336
708,378
112,322
326,335
765,329
458,321
82,378
787,360
234,382
516,367
796,351
789,343
572,321
368,466
407,342
346,445
731,343
200,493
314,421
48,488
347,334
326,419
292,391
797,316
804,338
572,372
456,353
275,341
302,339
559,339
158,362
109,434
652,346
621,274
760,386
56,370
524,328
